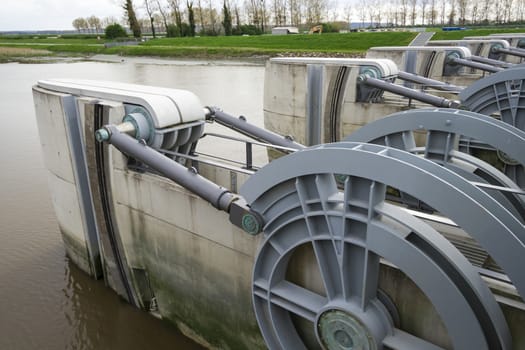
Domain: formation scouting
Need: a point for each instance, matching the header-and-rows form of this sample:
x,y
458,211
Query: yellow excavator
x,y
316,29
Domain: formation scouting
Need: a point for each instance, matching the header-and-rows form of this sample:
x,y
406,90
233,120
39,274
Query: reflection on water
x,y
45,302
100,319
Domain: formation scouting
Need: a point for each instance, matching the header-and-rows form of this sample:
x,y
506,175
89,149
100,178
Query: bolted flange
x,y
339,330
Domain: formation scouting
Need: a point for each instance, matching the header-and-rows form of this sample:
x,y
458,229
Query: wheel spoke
x,y
516,173
314,193
329,268
297,300
361,274
360,267
439,144
401,340
401,140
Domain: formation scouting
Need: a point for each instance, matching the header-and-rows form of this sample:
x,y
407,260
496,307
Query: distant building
x,y
285,30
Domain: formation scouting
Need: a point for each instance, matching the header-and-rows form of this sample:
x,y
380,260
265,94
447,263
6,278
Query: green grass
x,y
222,46
332,42
460,34
350,44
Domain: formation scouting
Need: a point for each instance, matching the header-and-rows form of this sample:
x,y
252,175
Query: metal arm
x,y
411,93
436,84
491,61
242,126
221,198
475,65
513,51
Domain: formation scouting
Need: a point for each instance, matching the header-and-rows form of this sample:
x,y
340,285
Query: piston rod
x,y
436,84
218,196
221,198
242,126
491,61
512,51
407,92
475,65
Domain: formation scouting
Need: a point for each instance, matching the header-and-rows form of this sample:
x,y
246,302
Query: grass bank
x,y
348,44
221,46
18,54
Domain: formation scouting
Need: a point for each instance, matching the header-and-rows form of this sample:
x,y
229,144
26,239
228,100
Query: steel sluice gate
x,y
344,206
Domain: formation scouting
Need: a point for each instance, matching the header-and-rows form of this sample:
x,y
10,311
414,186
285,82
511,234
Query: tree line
x,y
230,17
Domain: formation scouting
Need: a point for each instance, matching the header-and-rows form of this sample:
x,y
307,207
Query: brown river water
x,y
45,302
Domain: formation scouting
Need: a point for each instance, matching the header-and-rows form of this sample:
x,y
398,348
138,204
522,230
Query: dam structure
x,y
353,220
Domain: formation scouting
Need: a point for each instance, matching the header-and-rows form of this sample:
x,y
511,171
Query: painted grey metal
x,y
502,93
76,145
410,93
436,84
444,127
348,231
491,61
314,103
242,126
410,66
220,197
476,65
512,51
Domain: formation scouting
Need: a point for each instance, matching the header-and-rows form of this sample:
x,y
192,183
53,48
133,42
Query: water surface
x,y
45,302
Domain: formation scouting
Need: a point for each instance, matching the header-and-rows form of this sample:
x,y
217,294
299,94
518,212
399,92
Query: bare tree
x,y
391,14
237,13
462,8
314,11
432,14
177,13
164,14
498,11
474,11
362,12
150,10
279,11
404,11
413,11
378,13
424,4
296,12
212,17
443,11
106,21
507,10
94,23
452,13
520,11
348,13
200,14
486,10
191,17
79,24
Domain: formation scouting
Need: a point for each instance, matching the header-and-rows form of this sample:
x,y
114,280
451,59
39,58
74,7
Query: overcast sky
x,y
53,14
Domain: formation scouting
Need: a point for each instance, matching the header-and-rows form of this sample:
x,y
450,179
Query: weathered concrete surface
x,y
56,151
189,265
285,105
199,264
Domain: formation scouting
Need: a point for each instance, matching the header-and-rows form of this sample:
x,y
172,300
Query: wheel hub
x,y
339,330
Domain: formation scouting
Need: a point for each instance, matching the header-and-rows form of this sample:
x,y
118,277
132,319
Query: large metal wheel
x,y
350,228
443,128
503,96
